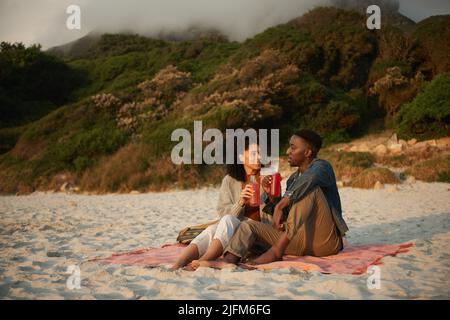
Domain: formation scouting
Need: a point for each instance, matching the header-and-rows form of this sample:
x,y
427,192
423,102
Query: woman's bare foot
x,y
195,264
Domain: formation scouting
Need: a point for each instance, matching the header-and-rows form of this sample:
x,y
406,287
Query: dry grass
x,y
434,169
409,157
118,172
347,165
367,178
134,168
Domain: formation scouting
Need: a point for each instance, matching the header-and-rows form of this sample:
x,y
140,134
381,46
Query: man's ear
x,y
241,158
308,153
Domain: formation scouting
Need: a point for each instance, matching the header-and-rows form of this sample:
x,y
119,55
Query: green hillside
x,y
101,115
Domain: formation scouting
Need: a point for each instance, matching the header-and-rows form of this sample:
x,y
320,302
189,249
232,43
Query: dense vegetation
x,y
32,83
428,115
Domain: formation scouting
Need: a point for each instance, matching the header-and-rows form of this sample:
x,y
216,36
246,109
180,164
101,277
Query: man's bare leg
x,y
189,254
275,253
231,258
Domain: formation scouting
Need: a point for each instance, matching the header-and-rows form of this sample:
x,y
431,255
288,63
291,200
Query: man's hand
x,y
284,202
266,184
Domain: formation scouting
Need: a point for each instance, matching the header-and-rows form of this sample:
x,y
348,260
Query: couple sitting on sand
x,y
306,220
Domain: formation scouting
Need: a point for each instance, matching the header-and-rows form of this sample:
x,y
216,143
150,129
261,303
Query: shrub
x,y
9,138
434,169
367,178
428,115
32,83
347,165
81,149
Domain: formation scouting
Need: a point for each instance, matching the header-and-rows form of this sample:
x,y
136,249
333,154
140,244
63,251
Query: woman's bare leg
x,y
214,251
189,254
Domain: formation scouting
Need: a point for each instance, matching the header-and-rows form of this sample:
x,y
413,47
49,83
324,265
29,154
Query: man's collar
x,y
309,165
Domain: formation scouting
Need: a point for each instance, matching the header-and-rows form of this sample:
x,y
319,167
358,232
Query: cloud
x,y
44,21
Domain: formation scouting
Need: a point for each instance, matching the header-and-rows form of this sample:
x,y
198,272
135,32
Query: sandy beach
x,y
42,234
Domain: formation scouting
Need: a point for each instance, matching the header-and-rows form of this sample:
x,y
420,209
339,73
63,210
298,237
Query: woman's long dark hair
x,y
236,170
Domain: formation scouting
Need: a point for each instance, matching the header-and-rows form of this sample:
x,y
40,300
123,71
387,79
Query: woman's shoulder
x,y
230,181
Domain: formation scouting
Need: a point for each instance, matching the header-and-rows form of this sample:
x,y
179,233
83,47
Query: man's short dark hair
x,y
312,138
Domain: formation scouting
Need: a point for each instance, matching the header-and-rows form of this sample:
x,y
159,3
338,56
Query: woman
x,y
233,207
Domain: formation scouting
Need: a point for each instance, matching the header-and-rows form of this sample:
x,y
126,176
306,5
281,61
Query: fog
x,y
44,21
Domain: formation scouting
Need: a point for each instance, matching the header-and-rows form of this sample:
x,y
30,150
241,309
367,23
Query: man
x,y
314,224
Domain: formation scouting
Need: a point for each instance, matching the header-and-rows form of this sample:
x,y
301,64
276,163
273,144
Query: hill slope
x,y
323,70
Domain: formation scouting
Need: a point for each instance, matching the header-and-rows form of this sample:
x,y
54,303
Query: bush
x,y
434,169
428,115
9,137
339,119
81,149
32,83
347,165
369,177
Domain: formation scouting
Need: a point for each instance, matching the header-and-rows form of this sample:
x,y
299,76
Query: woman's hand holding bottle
x,y
246,195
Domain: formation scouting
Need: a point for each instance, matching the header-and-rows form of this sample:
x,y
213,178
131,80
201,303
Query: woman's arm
x,y
226,205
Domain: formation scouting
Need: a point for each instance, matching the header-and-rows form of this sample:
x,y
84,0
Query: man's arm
x,y
270,203
318,175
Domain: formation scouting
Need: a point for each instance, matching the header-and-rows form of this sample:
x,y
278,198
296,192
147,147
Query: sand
x,y
42,234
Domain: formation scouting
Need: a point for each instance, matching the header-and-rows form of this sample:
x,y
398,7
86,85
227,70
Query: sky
x,y
44,21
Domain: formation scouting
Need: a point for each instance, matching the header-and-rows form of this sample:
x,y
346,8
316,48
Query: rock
x,y
395,148
394,145
363,148
346,148
354,149
393,139
340,184
410,179
134,192
443,142
402,142
378,186
54,254
64,187
346,179
393,188
380,150
432,142
420,145
412,142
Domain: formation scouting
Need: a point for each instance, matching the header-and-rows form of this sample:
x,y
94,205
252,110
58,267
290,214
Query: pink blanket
x,y
352,260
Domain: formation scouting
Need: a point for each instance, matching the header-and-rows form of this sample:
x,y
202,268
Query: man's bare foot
x,y
189,267
266,257
174,267
231,258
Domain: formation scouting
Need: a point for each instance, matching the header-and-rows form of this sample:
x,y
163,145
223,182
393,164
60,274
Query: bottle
x,y
254,200
275,187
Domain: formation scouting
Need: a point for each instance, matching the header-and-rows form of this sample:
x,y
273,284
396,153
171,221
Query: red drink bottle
x,y
254,200
275,188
